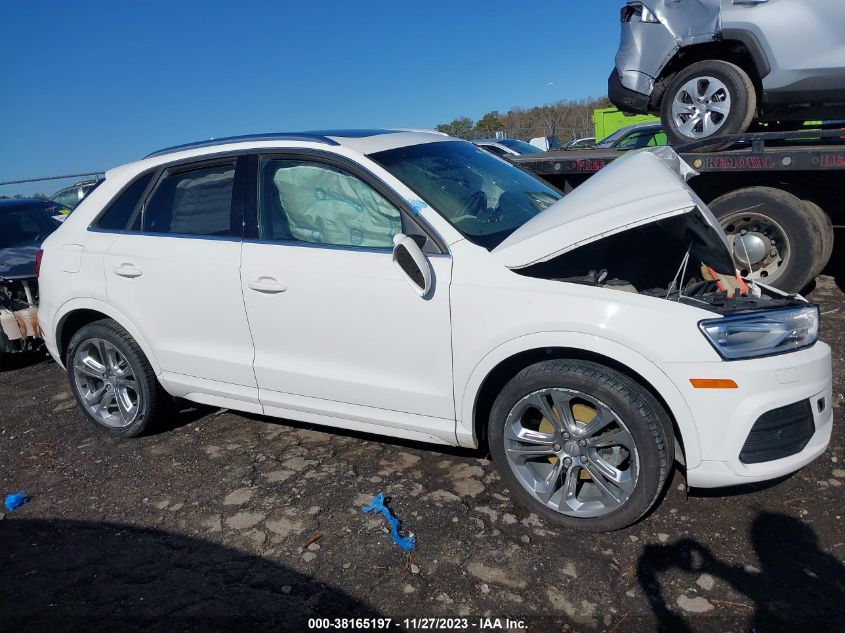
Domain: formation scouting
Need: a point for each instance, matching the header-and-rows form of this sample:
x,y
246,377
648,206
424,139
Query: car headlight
x,y
763,333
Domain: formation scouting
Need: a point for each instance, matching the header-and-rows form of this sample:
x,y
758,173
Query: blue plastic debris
x,y
407,543
15,500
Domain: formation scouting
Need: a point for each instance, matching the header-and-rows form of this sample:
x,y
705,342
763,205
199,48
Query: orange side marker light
x,y
713,383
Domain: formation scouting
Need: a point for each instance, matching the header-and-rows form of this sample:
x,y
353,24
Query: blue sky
x,y
90,85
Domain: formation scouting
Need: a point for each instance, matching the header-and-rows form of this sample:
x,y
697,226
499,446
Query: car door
x,y
175,273
339,329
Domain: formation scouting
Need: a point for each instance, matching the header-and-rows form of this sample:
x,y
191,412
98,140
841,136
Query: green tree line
x,y
568,119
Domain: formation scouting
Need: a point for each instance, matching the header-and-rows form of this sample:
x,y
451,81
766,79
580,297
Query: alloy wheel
x,y
106,383
571,452
701,107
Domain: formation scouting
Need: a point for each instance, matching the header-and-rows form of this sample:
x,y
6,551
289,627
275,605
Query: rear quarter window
x,y
117,215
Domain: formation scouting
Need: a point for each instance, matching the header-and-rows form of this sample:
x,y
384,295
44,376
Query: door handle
x,y
267,285
127,270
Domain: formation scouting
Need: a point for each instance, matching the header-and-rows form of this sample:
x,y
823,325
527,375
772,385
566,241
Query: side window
x,y
120,210
68,198
312,202
192,202
634,140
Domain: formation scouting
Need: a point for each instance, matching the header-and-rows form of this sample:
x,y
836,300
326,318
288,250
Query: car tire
x,y
781,222
112,380
825,226
680,102
644,453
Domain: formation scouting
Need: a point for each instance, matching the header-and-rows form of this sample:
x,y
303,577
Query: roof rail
x,y
273,136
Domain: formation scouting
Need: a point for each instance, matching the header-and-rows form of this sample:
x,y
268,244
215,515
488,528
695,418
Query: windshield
x,y
23,225
482,196
519,146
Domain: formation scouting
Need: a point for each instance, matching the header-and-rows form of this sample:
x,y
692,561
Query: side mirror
x,y
410,259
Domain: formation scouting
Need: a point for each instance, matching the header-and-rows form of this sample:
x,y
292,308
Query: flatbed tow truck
x,y
778,195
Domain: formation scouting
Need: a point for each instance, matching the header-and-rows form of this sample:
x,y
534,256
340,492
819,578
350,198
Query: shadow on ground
x,y
66,575
796,588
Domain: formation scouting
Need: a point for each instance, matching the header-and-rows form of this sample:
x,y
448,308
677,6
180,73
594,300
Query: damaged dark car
x,y
24,225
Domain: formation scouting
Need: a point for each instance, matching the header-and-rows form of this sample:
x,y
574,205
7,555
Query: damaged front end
x,y
637,227
680,258
18,315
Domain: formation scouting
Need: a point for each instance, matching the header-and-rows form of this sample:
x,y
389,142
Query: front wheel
x,y
581,444
706,100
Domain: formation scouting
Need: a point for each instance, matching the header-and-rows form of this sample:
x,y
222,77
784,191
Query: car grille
x,y
779,433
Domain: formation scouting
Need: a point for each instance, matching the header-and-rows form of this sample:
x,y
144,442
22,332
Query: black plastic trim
x,y
779,433
624,98
750,41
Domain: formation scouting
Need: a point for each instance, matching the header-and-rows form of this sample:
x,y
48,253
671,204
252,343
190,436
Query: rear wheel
x,y
773,239
581,444
706,100
112,380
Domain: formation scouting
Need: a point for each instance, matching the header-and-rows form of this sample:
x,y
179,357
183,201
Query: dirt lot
x,y
207,524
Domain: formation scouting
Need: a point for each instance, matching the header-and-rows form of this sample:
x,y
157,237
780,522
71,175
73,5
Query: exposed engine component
x,y
677,259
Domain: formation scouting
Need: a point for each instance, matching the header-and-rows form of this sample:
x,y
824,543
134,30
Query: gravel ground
x,y
225,520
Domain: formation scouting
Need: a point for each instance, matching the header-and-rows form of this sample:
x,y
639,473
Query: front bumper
x,y
624,98
724,417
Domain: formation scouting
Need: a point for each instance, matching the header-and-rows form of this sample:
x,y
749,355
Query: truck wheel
x,y
112,380
708,99
825,225
581,444
772,237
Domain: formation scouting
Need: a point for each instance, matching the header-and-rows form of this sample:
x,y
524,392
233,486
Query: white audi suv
x,y
413,285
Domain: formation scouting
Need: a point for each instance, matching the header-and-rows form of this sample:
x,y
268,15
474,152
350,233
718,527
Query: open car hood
x,y
637,189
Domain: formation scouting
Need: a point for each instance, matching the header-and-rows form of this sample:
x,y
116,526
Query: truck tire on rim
x,y
772,237
112,380
581,444
825,225
708,99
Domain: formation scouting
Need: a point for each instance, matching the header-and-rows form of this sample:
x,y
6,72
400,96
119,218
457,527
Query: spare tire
x,y
773,237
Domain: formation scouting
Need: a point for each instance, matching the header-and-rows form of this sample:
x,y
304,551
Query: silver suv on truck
x,y
712,67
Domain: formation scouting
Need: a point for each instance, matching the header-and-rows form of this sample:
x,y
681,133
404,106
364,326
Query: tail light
x,y
640,12
626,13
38,255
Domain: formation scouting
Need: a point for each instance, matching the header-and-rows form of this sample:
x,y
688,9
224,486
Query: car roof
x,y
366,141
11,204
643,126
326,137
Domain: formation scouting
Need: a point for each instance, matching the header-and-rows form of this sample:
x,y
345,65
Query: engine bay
x,y
681,258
